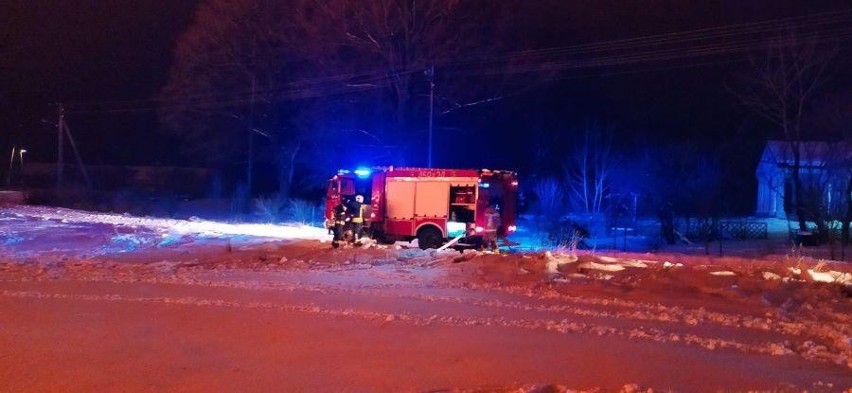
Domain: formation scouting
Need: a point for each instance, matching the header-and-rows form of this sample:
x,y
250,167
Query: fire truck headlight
x,y
372,215
512,228
479,229
514,183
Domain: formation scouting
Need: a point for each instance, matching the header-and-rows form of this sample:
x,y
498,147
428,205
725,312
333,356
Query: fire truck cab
x,y
430,205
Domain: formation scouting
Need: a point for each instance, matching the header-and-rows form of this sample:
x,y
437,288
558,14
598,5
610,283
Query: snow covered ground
x,y
104,302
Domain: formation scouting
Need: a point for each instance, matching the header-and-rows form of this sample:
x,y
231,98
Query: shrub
x,y
567,234
276,209
302,212
268,208
549,193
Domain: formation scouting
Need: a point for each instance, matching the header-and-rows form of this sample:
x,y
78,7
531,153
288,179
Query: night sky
x,y
82,51
92,51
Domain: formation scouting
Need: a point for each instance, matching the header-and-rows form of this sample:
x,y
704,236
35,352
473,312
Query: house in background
x,y
825,170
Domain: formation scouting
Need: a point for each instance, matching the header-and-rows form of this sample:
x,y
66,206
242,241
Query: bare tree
x,y
549,192
232,67
589,170
402,38
292,72
779,87
550,195
830,114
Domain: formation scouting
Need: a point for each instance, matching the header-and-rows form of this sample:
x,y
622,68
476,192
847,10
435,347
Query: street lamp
x,y
21,152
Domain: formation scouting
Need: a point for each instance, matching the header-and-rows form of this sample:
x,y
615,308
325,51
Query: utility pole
x,y
431,74
62,131
60,161
250,164
77,155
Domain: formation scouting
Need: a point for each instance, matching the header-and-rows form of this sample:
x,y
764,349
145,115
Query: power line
x,y
841,19
723,40
298,89
649,56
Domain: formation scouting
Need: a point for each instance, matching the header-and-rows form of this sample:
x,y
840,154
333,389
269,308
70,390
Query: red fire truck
x,y
431,205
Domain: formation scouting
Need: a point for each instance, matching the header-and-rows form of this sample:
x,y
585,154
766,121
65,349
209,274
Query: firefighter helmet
x,y
359,198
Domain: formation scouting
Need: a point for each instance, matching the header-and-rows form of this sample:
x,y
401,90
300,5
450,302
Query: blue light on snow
x,y
362,172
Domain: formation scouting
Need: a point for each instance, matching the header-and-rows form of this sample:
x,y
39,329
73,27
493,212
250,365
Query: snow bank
x,y
831,276
554,261
601,266
723,273
169,226
815,275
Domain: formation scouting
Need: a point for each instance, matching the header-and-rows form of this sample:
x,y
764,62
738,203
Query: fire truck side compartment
x,y
400,201
431,199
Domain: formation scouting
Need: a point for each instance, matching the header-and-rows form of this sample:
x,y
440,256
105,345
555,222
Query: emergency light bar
x,y
363,172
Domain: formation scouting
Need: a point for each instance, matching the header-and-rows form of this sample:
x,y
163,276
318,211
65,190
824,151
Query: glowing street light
x,y
20,152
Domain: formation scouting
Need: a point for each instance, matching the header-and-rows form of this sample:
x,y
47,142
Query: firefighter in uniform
x,y
357,209
340,216
493,225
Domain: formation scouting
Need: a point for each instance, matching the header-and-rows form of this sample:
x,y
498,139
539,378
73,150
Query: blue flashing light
x,y
484,185
363,172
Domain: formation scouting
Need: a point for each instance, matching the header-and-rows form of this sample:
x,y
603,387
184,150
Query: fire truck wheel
x,y
429,237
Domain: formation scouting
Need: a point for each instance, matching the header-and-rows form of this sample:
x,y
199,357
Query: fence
x,y
743,230
738,230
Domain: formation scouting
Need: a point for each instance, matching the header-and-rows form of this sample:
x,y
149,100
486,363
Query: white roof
x,y
813,154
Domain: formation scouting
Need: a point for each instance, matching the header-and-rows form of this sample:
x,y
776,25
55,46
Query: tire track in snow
x,y
561,326
591,307
544,300
837,335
